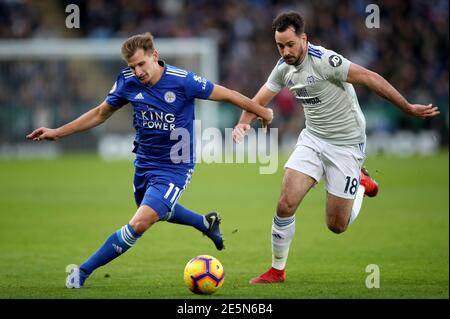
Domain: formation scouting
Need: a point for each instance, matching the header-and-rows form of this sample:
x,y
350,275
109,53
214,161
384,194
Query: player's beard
x,y
298,59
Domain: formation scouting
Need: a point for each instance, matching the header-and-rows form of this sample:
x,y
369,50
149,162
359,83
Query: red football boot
x,y
369,184
272,276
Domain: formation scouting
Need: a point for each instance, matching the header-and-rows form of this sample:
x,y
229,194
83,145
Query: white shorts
x,y
339,164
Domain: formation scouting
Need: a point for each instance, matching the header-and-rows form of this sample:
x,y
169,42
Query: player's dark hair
x,y
138,41
289,19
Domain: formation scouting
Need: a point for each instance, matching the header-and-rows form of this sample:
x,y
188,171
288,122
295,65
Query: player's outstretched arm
x,y
221,93
86,121
263,97
375,82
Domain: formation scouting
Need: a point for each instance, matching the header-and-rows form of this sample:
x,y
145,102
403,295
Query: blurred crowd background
x,y
410,49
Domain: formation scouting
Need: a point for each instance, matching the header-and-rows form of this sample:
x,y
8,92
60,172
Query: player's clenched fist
x,y
268,119
241,129
239,132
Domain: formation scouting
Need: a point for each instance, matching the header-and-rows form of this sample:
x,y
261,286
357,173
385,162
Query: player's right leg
x,y
114,246
294,188
303,170
150,209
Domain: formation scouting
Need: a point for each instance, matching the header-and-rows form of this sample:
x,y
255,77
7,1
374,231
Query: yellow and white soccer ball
x,y
204,275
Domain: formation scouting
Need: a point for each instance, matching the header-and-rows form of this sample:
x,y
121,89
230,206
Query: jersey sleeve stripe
x,y
176,74
169,69
317,54
312,50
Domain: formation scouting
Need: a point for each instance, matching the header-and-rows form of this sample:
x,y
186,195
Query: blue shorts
x,y
160,188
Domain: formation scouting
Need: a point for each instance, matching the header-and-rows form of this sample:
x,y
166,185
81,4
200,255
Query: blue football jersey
x,y
159,110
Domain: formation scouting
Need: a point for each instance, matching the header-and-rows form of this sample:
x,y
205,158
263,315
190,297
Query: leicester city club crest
x,y
170,97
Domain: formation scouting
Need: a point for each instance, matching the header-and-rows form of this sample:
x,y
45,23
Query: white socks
x,y
283,230
357,203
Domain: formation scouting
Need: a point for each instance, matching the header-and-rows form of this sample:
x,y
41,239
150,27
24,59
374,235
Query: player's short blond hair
x,y
135,42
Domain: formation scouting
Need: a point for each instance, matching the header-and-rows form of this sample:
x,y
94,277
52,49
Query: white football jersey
x,y
332,110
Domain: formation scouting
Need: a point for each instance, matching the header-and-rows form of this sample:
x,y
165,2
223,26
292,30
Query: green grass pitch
x,y
58,212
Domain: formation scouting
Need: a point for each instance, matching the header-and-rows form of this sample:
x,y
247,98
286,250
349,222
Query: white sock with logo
x,y
283,230
357,203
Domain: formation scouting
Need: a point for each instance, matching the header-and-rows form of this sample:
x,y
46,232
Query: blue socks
x,y
123,239
183,216
118,243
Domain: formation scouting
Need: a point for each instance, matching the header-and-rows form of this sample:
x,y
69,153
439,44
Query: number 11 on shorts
x,y
169,191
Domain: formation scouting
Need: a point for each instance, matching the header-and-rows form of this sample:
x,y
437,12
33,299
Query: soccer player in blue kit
x,y
163,101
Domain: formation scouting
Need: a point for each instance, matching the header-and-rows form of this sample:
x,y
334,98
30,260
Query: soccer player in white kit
x,y
332,145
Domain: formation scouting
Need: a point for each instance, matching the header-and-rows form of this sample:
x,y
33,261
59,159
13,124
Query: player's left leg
x,y
208,224
342,166
369,184
342,212
338,212
169,187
